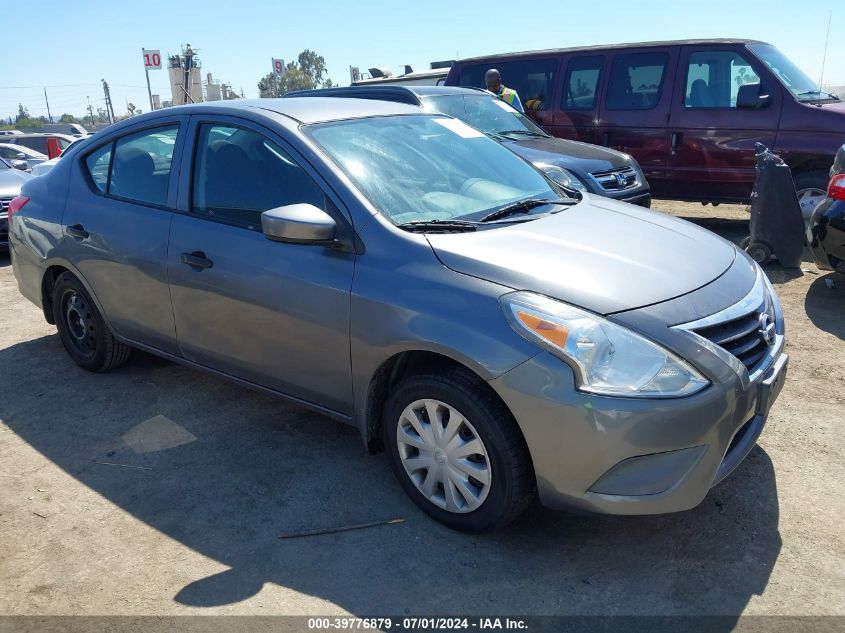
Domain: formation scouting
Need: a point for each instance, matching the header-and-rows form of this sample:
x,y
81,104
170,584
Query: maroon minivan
x,y
689,111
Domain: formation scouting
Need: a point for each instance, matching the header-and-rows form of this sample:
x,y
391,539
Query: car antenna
x,y
824,56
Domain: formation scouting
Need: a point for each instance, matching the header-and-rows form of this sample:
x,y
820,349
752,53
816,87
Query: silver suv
x,y
402,272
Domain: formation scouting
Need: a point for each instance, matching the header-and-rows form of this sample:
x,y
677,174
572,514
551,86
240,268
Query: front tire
x,y
811,189
83,332
457,451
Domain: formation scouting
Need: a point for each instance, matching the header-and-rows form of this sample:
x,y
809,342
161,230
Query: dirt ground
x,y
157,489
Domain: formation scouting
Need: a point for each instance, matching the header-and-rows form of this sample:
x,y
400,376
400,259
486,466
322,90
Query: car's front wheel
x,y
83,331
457,451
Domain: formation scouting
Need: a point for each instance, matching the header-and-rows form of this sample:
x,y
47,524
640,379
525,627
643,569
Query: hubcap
x,y
80,323
809,199
443,456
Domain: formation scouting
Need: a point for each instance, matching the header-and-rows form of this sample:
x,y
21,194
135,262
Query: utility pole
x,y
109,108
90,109
49,116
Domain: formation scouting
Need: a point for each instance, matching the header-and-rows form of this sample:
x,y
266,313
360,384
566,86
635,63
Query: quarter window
x,y
97,163
714,78
580,85
636,81
238,174
533,79
140,170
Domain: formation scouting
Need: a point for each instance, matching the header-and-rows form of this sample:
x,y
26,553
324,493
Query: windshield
x,y
804,88
421,168
484,112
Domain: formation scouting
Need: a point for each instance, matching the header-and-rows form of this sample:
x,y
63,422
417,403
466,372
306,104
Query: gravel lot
x,y
157,489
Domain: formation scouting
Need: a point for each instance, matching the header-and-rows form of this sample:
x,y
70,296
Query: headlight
x,y
608,359
562,176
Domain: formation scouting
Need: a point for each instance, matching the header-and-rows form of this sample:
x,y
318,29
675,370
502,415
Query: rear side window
x,y
636,81
97,163
580,85
714,78
140,168
38,143
239,173
533,79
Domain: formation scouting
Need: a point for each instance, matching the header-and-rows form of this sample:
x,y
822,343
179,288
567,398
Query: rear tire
x,y
481,475
811,189
83,332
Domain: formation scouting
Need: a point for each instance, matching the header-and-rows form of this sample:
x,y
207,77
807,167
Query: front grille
x,y
741,337
616,179
4,203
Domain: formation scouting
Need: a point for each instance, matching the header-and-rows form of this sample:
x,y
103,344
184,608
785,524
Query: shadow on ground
x,y
229,470
826,306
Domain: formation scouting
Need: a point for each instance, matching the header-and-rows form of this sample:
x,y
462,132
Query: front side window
x,y
581,83
533,79
636,81
423,168
714,78
239,173
140,169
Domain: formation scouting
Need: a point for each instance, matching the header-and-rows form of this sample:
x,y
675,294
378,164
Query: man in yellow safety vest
x,y
494,84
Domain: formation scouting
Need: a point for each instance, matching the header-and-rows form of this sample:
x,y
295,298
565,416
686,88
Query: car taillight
x,y
836,188
17,204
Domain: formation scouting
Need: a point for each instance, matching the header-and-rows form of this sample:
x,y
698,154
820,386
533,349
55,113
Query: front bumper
x,y
4,231
633,456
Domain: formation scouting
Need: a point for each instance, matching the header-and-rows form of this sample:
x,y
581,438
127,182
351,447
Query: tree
x,y
68,118
24,120
306,73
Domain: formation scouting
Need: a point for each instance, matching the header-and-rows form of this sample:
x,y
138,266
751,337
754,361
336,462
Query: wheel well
x,y
49,279
389,374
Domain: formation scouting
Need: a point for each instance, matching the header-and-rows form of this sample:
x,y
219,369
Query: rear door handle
x,y
197,259
605,139
677,139
77,230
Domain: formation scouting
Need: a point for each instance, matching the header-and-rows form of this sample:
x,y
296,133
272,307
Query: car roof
x,y
302,110
67,137
600,47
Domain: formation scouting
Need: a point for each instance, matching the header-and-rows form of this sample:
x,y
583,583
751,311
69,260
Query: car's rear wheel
x,y
811,189
83,331
457,451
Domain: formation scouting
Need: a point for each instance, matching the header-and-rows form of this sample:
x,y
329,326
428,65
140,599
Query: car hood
x,y
11,181
602,255
579,157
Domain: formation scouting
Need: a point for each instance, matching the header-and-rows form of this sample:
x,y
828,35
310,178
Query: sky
x,y
74,43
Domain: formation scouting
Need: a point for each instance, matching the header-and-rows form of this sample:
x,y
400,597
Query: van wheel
x,y
83,331
811,189
457,451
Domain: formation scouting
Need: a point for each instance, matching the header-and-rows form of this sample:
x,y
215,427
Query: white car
x,y
11,152
42,168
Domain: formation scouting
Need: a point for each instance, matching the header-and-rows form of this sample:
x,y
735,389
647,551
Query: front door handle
x,y
677,139
78,231
197,259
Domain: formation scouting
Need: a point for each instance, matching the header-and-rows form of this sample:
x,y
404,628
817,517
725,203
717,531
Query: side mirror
x,y
19,164
298,223
748,97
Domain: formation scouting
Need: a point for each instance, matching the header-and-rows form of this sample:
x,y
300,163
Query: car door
x,y
712,142
117,222
275,314
577,112
634,117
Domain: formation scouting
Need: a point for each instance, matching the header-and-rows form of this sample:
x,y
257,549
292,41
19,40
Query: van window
x,y
533,79
238,174
636,81
714,78
580,85
38,143
141,166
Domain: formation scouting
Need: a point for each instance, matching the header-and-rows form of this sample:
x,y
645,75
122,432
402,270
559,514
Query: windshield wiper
x,y
523,132
522,206
809,93
438,226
